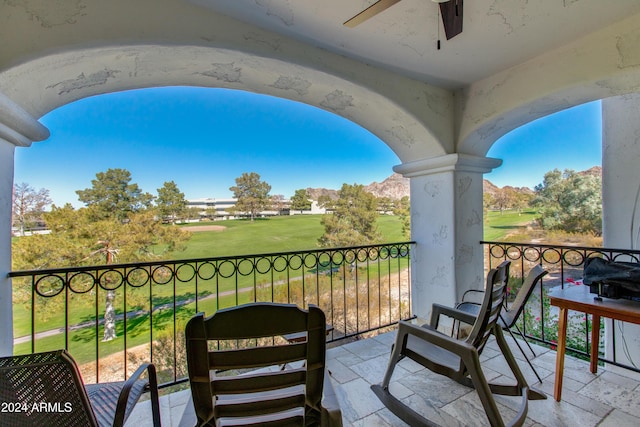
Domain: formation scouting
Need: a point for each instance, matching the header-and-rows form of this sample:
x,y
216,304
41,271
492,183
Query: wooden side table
x,y
579,298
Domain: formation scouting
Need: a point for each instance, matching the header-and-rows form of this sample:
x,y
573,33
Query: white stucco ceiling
x,y
497,34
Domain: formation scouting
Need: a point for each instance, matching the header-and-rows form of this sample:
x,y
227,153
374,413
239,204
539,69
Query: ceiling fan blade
x,y
370,12
451,12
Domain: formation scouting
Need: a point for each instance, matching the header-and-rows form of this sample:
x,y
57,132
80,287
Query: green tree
x,y
503,199
170,202
403,210
385,204
211,212
28,205
353,221
191,213
252,194
111,194
488,202
78,239
276,203
522,200
60,248
327,202
116,226
570,201
300,201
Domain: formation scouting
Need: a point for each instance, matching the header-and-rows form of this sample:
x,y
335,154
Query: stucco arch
x,y
598,66
48,82
414,119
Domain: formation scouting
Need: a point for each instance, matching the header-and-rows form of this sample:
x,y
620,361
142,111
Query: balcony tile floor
x,y
610,398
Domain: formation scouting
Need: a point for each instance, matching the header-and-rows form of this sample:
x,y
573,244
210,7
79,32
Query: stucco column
x,y
6,186
17,128
446,223
621,202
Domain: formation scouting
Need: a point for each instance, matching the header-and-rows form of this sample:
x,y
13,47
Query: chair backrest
x,y
503,271
510,316
490,309
44,389
250,337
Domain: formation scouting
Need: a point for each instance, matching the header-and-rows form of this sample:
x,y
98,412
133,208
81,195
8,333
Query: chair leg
x,y
472,363
525,340
528,345
155,398
393,360
401,410
515,369
396,355
524,354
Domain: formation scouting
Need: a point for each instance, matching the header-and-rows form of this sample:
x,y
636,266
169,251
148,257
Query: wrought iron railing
x,y
361,289
565,265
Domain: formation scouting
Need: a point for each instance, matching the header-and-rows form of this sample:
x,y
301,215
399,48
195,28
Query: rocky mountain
x,y
394,187
490,188
316,193
595,171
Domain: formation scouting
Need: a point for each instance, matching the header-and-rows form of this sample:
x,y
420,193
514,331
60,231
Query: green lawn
x,y
498,225
277,234
239,237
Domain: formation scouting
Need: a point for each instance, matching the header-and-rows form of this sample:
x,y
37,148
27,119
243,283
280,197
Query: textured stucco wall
x,y
603,64
446,224
620,175
6,184
621,201
17,128
61,52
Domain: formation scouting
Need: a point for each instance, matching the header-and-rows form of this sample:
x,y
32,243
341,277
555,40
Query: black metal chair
x,y
459,359
254,375
46,389
510,313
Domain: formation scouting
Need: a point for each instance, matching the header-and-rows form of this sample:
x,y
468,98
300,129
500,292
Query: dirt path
x,y
112,366
197,228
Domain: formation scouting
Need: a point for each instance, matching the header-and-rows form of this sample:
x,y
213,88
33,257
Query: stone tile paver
x,y
606,399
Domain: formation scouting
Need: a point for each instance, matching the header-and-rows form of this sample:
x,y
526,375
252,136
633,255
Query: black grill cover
x,y
612,279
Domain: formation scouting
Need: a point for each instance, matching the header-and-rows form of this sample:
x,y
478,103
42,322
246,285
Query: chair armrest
x,y
434,337
123,398
472,292
437,310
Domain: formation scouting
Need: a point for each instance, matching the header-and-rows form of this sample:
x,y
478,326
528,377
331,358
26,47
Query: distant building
x,y
218,209
315,210
209,205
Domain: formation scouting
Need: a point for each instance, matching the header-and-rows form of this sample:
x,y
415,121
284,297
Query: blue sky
x,y
569,139
202,139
